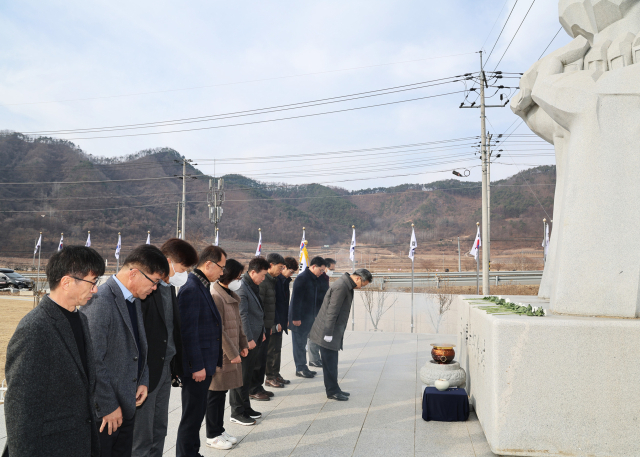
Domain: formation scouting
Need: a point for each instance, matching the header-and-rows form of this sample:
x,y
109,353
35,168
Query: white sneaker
x,y
229,438
219,443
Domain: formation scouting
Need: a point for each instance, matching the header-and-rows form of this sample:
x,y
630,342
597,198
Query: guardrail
x,y
424,279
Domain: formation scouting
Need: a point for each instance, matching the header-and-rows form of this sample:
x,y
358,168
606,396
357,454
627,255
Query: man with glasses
x,y
120,346
50,366
164,358
201,328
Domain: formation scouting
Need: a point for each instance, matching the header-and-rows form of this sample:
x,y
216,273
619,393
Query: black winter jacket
x,y
283,295
268,298
303,301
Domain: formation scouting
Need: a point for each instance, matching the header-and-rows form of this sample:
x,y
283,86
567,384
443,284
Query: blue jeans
x,y
299,342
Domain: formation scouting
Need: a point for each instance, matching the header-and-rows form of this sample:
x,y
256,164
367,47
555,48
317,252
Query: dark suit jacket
x,y
282,301
115,350
155,327
201,328
303,301
48,407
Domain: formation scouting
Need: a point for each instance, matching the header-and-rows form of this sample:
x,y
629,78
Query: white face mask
x,y
178,279
329,273
234,285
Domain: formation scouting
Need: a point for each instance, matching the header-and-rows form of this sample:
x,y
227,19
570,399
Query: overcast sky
x,y
78,64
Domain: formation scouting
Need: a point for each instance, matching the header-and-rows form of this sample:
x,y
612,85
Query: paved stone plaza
x,y
383,416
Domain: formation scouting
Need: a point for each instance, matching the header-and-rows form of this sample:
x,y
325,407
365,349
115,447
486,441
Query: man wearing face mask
x,y
120,346
313,350
162,326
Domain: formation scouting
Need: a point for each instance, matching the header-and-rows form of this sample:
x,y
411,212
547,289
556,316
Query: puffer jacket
x,y
233,339
268,297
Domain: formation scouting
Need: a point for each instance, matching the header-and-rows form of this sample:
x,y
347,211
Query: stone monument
x,y
584,98
562,385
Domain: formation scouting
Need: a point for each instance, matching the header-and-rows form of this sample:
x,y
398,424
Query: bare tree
x,y
377,302
442,299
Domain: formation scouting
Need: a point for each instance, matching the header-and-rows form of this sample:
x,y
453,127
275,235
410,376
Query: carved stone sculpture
x,y
584,98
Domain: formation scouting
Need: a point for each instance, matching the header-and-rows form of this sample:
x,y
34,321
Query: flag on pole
x,y
88,244
303,258
413,245
215,243
352,249
38,245
259,250
148,238
118,246
60,246
476,245
545,241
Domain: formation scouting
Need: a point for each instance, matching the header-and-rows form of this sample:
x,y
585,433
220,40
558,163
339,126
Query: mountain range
x,y
52,186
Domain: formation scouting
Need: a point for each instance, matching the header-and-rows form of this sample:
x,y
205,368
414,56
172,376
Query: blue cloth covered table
x,y
450,405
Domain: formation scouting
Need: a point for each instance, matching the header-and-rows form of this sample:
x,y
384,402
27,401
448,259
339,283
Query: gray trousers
x,y
150,428
313,350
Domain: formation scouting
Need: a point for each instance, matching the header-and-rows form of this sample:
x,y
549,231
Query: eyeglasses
x,y
155,283
221,267
93,283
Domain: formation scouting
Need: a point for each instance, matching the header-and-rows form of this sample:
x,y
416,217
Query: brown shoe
x,y
281,380
260,396
273,383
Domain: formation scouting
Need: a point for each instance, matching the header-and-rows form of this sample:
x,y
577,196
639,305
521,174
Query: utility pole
x,y
484,153
489,199
215,199
485,205
459,266
184,189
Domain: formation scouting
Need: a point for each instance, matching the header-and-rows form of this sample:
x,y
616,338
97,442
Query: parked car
x,y
15,280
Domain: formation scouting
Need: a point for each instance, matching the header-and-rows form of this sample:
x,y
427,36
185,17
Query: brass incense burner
x,y
443,353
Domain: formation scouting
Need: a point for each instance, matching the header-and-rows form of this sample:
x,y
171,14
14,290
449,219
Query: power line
x,y
211,117
514,35
503,27
270,120
234,83
494,24
552,40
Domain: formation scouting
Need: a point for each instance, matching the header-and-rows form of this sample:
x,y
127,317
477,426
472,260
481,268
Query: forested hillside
x,y
139,193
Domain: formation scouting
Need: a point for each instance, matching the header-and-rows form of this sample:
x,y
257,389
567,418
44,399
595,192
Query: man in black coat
x,y
302,313
201,346
268,297
328,329
161,318
50,367
274,357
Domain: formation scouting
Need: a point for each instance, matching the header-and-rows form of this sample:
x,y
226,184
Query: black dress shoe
x,y
312,372
315,364
305,374
345,393
339,396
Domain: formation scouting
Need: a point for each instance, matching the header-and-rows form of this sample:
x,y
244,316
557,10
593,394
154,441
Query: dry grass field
x,y
12,309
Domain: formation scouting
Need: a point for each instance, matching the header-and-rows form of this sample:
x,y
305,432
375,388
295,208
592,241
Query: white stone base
x,y
554,385
452,372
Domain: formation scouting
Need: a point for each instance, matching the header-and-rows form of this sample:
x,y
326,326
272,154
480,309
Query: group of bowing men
x,y
90,369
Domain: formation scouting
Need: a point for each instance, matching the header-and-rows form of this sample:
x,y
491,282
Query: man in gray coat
x,y
328,328
50,366
252,317
120,346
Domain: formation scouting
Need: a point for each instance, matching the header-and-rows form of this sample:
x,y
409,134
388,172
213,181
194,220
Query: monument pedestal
x,y
553,385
